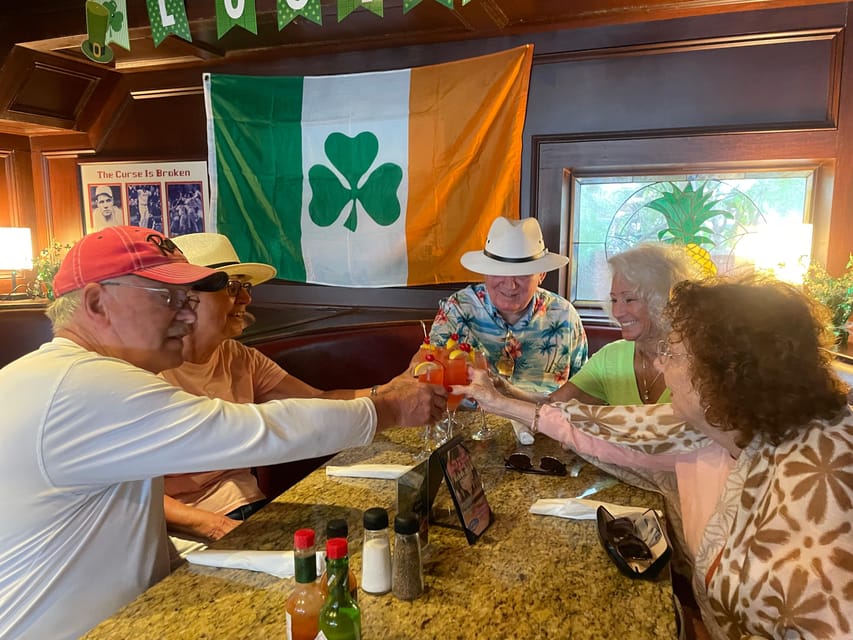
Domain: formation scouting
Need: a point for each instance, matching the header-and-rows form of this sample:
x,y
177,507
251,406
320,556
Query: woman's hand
x,y
481,388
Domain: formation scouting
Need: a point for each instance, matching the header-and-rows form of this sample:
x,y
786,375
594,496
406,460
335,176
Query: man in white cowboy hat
x,y
509,315
202,507
105,213
94,431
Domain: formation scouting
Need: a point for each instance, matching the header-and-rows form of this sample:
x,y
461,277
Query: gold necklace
x,y
646,386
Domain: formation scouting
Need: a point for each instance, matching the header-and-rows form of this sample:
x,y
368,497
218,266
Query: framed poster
x,y
170,197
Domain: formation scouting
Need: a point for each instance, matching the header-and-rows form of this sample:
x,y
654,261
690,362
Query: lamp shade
x,y
16,248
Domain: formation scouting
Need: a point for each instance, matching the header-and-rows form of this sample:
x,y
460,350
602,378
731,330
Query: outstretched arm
x,y
182,518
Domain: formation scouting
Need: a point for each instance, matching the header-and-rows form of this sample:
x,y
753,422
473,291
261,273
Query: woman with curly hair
x,y
760,478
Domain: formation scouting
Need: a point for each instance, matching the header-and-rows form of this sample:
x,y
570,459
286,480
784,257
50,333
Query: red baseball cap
x,y
124,250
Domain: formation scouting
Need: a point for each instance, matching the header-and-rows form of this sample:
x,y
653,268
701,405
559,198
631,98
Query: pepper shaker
x,y
407,582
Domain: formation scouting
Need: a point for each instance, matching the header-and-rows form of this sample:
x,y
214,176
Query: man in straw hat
x,y
537,334
94,429
202,507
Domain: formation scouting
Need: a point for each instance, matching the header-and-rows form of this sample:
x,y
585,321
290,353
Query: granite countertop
x,y
528,576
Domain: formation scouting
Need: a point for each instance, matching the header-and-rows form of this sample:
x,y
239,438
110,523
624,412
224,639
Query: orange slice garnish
x,y
457,353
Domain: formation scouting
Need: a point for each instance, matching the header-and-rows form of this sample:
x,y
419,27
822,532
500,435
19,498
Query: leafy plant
x,y
834,293
45,266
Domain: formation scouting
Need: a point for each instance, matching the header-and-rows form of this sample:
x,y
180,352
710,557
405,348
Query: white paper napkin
x,y
522,432
276,563
578,508
382,471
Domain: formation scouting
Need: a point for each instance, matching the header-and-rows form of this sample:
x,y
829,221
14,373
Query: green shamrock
x,y
116,17
352,157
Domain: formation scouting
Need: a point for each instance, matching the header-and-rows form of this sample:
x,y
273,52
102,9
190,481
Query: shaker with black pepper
x,y
407,581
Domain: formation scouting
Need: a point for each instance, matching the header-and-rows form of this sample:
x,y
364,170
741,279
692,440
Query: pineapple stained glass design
x,y
686,212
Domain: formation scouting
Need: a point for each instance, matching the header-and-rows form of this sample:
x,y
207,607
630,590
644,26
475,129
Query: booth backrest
x,y
360,356
22,331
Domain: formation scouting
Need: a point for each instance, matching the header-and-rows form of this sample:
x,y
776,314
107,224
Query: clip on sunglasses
x,y
629,542
548,465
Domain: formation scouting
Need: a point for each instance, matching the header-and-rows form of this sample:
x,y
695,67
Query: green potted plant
x,y
45,266
834,293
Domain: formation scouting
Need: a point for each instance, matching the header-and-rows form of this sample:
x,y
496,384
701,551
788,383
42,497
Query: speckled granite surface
x,y
529,576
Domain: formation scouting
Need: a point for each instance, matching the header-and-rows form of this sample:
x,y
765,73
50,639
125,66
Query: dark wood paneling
x,y
53,94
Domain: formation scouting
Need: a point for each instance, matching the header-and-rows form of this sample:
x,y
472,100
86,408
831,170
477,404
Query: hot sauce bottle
x,y
304,604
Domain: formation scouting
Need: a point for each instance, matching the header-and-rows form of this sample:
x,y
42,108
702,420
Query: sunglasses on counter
x,y
634,542
548,465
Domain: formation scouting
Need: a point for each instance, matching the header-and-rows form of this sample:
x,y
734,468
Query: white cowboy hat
x,y
513,248
216,251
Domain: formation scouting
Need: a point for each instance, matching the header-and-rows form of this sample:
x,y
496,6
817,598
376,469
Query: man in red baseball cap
x,y
93,431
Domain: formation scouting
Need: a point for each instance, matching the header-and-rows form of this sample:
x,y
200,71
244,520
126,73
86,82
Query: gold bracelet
x,y
534,427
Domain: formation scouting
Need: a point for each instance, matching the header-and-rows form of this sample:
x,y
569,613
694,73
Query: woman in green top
x,y
623,372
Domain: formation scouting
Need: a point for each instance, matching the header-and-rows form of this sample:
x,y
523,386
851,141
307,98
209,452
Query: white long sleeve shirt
x,y
85,441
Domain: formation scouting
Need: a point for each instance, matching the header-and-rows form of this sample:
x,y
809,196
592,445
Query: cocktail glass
x,y
430,372
485,432
455,372
506,364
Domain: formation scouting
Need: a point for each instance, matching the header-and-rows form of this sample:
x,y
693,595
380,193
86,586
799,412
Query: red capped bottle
x,y
304,604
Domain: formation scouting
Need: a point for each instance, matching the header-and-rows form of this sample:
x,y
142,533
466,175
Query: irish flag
x,y
371,179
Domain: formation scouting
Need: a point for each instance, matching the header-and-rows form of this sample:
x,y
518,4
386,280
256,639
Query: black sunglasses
x,y
548,466
622,534
233,287
629,542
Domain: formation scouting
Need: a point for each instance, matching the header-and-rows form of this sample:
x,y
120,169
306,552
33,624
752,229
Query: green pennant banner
x,y
168,17
117,31
231,13
288,10
408,5
346,7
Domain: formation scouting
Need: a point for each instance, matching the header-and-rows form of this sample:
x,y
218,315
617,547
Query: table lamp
x,y
16,252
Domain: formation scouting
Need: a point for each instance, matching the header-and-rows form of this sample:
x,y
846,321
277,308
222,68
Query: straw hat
x,y
513,248
216,251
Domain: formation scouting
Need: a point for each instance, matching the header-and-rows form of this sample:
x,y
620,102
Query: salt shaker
x,y
376,552
407,582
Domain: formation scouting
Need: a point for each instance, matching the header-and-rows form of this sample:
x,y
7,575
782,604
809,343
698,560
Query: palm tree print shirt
x,y
548,343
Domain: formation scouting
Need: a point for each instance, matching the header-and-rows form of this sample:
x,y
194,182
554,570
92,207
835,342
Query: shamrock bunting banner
x,y
288,10
168,17
106,20
346,7
230,13
371,179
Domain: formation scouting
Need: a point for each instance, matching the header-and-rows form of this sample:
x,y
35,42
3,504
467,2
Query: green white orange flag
x,y
367,180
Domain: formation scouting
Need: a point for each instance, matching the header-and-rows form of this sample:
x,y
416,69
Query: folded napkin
x,y
384,471
522,432
277,563
578,508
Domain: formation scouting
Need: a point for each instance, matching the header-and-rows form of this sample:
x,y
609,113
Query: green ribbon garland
x,y
172,20
288,10
247,19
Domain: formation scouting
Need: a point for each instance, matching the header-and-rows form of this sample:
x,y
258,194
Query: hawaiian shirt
x,y
548,343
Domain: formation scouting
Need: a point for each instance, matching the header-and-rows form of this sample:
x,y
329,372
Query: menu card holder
x,y
466,488
417,489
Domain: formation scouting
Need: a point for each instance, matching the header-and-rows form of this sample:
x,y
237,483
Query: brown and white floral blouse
x,y
776,557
